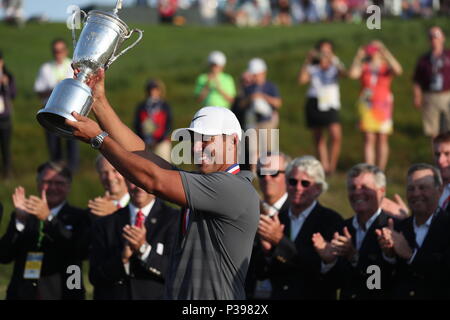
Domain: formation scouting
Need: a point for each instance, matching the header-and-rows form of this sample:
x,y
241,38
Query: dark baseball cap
x,y
151,84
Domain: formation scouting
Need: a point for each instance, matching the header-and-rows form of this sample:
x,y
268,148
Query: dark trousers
x,y
5,144
54,144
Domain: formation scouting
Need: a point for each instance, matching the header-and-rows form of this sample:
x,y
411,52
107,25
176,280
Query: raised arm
x,y
356,67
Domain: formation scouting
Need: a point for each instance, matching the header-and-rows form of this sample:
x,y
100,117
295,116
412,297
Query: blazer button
x,y
353,296
285,287
120,282
412,293
34,284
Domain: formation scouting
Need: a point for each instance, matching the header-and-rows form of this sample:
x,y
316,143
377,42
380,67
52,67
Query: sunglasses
x,y
273,175
293,182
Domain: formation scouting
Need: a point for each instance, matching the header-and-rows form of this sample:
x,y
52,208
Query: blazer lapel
x,y
284,219
308,224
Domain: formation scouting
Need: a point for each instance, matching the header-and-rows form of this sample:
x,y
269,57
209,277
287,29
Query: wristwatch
x,y
143,248
97,141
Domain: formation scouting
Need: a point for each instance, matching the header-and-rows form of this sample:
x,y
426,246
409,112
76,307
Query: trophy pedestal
x,y
68,96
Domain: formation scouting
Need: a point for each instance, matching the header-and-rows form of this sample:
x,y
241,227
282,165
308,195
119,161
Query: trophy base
x,y
68,96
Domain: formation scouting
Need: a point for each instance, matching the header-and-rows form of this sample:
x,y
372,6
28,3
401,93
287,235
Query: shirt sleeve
x,y
41,84
215,193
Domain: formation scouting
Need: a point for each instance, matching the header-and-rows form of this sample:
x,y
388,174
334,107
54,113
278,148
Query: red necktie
x,y
139,219
118,205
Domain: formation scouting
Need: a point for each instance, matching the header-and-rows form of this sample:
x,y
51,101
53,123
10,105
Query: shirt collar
x,y
368,222
145,210
279,203
427,223
304,214
54,211
123,201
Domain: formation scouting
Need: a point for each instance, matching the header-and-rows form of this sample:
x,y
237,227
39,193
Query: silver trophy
x,y
97,47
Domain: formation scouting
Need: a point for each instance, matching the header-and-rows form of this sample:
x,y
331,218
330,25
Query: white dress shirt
x,y
53,213
275,208
297,221
360,233
421,233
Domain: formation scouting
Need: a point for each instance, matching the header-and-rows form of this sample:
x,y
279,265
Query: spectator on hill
x,y
153,119
251,13
116,193
375,67
167,10
7,94
293,263
262,103
215,88
44,238
131,249
322,70
283,13
432,85
50,74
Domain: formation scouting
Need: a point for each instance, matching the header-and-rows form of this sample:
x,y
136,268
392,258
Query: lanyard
x,y
41,233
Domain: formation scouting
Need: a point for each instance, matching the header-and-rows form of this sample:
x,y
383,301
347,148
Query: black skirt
x,y
316,118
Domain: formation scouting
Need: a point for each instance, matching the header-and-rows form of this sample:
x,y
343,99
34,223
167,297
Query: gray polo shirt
x,y
211,260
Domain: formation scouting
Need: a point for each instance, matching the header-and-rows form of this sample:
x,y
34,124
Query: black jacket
x,y
146,278
294,266
62,247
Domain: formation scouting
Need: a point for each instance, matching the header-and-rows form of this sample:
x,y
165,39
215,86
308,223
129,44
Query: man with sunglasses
x,y
270,170
349,254
50,74
432,84
44,238
294,265
220,206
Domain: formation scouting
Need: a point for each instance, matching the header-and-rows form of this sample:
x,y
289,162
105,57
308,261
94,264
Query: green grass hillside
x,y
178,55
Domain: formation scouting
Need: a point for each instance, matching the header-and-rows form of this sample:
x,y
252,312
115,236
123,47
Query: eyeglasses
x,y
293,182
273,175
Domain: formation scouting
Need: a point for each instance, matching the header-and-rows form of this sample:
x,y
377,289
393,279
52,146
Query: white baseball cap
x,y
256,65
218,58
213,121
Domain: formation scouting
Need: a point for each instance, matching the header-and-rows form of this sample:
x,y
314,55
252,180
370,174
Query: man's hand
x,y
38,206
342,245
84,128
270,229
385,239
126,253
323,248
135,236
396,208
97,83
102,206
19,198
401,246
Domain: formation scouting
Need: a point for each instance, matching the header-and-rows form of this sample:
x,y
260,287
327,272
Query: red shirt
x,y
423,74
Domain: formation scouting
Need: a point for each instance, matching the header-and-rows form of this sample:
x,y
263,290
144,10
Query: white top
x,y
297,221
360,233
421,233
275,208
51,73
324,86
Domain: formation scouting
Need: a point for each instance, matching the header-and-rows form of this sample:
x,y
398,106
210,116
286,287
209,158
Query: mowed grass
x,y
178,55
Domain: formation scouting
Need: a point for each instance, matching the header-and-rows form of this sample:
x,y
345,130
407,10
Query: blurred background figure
x,y
13,11
322,70
215,87
167,10
432,85
283,13
375,67
262,103
50,74
251,13
153,119
7,94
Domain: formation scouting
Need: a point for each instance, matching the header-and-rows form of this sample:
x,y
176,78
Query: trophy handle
x,y
74,38
114,57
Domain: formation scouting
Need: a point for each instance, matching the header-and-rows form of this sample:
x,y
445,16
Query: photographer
x,y
375,67
322,70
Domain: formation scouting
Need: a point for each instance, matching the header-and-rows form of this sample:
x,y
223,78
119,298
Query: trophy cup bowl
x,y
97,47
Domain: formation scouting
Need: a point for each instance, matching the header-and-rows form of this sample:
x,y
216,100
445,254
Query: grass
x,y
178,55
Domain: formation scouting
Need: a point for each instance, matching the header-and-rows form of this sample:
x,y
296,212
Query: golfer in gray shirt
x,y
220,206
